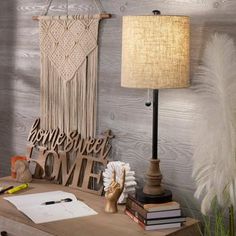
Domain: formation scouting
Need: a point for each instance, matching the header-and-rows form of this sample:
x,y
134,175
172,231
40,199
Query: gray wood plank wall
x,y
120,109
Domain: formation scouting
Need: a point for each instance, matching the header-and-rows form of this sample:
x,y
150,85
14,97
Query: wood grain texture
x,y
120,109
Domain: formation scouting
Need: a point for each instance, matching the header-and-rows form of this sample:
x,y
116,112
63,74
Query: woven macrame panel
x,y
69,73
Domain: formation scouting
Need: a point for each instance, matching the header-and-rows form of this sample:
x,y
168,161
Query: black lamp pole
x,y
155,124
155,115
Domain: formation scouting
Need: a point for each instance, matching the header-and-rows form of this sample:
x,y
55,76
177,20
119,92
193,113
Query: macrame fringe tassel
x,y
70,105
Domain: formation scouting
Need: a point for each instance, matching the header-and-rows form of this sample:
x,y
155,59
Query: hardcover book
x,y
157,221
152,227
133,205
157,207
162,206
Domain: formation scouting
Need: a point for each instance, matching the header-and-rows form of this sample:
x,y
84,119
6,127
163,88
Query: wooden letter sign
x,y
74,161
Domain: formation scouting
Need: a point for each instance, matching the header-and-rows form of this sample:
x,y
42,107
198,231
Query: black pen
x,y
62,200
6,189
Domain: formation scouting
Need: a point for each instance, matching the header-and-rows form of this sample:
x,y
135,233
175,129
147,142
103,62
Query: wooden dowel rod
x,y
103,16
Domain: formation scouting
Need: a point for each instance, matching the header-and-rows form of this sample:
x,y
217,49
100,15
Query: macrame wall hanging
x,y
69,58
64,136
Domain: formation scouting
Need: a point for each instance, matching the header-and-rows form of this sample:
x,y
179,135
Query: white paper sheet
x,y
33,206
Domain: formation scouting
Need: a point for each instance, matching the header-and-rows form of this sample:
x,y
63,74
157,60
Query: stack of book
x,y
154,216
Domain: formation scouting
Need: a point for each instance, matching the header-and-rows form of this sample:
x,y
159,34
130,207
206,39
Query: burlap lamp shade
x,y
155,52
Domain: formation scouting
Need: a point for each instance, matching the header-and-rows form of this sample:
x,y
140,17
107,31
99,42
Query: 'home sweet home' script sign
x,y
58,147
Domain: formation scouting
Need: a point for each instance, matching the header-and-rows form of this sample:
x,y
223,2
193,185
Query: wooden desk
x,y
17,224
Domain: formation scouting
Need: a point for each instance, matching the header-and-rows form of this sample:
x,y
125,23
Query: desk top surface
x,y
101,224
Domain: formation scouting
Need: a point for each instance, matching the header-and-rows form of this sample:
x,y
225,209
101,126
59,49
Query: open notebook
x,y
33,205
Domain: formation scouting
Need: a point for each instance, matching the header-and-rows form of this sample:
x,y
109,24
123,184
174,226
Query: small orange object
x,y
13,161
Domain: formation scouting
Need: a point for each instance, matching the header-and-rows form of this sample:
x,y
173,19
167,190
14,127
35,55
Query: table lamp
x,y
155,55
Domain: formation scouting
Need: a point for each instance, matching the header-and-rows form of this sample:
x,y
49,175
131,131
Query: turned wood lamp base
x,y
153,179
153,191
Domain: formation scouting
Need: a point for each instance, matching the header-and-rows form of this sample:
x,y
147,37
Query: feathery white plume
x,y
214,165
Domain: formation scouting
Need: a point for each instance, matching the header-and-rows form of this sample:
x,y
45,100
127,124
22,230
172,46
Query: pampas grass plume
x,y
214,165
